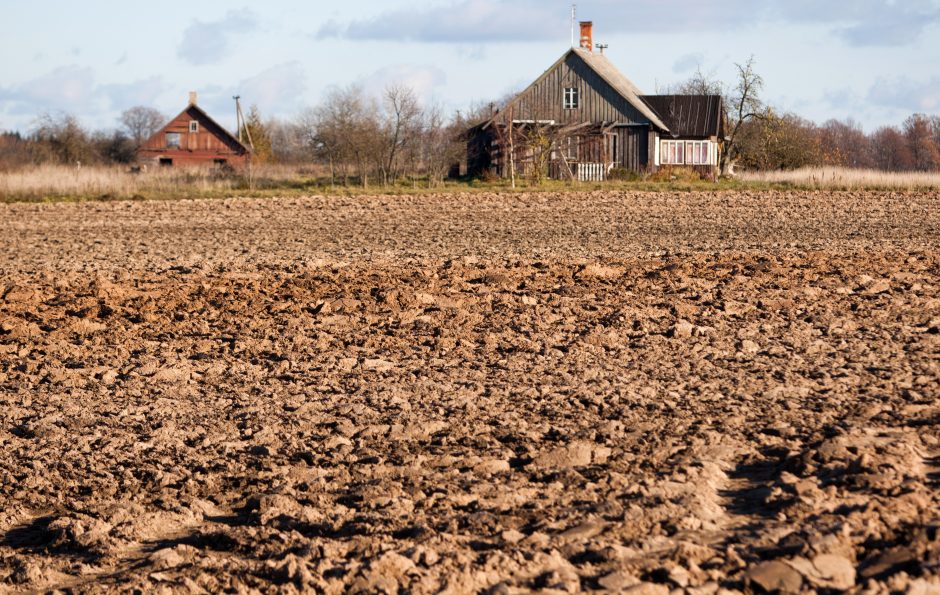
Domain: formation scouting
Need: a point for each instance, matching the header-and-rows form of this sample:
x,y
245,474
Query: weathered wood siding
x,y
598,101
634,147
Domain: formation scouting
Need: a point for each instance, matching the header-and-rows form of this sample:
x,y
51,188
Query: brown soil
x,y
478,393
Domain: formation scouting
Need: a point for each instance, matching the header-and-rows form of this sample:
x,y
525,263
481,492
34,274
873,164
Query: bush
x,y
622,174
669,173
489,176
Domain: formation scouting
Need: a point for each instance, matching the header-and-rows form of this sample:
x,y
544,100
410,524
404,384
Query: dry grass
x,y
65,183
837,178
51,182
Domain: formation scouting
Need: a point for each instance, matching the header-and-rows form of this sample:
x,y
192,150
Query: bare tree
x,y
443,143
890,150
745,105
343,130
141,123
920,140
287,140
698,84
400,126
63,139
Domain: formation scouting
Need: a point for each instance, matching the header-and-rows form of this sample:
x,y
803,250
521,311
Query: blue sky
x,y
876,61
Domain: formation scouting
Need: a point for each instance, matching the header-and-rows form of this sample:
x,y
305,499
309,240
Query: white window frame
x,y
686,152
178,140
572,98
193,126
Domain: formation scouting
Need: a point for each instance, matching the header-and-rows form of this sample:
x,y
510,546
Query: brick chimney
x,y
587,36
192,98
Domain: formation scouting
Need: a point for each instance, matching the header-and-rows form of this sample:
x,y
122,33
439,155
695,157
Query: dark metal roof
x,y
689,115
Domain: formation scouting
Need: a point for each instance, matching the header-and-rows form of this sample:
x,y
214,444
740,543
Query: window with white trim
x,y
172,140
194,126
679,152
571,98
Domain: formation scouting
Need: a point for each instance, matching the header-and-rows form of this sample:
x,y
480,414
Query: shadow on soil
x,y
36,537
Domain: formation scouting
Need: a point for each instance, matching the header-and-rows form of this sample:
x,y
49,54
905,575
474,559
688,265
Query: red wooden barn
x,y
193,139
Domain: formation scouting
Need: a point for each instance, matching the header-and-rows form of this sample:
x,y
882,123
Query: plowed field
x,y
558,392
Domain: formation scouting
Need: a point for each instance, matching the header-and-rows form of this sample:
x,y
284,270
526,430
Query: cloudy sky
x,y
876,61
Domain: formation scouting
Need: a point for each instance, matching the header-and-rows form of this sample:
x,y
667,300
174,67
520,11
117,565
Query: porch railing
x,y
583,172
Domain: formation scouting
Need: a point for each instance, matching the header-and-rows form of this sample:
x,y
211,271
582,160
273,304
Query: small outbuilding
x,y
193,139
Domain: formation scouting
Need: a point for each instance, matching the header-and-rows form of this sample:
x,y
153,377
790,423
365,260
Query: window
x,y
172,140
193,126
166,162
686,152
571,98
571,148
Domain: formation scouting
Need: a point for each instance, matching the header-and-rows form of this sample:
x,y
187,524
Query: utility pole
x,y
238,117
241,124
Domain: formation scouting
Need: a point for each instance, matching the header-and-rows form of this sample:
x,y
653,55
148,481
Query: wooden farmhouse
x,y
193,139
582,118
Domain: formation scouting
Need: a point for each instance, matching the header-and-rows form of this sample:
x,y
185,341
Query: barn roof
x,y
613,77
689,115
620,83
219,130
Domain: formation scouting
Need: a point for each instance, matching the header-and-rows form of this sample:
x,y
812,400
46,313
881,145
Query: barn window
x,y
571,98
193,126
571,148
172,140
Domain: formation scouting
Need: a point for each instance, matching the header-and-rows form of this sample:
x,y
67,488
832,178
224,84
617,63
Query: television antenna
x,y
602,46
574,21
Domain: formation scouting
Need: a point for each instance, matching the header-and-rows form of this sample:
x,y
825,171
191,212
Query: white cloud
x,y
907,94
859,22
466,21
68,88
140,92
75,90
688,63
209,42
423,80
276,89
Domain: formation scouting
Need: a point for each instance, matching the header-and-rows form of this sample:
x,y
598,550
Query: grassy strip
x,y
67,185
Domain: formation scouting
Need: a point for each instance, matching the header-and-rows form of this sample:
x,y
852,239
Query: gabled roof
x,y
689,115
219,129
616,79
613,77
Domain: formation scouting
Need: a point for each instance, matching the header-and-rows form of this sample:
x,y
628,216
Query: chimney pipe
x,y
192,98
587,36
